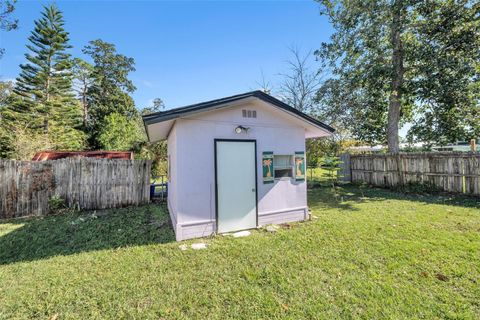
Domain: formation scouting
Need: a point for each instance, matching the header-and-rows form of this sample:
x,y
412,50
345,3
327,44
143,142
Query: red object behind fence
x,y
54,155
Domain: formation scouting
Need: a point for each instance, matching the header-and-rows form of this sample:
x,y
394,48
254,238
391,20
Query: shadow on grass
x,y
325,197
40,238
347,195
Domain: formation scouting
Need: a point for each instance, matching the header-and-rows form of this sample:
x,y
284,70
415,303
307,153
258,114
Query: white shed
x,y
235,163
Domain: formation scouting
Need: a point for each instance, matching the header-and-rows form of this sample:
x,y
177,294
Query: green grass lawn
x,y
370,253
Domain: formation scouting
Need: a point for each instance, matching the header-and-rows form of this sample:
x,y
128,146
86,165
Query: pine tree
x,y
44,101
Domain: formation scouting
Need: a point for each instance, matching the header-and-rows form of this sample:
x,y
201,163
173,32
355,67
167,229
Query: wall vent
x,y
249,113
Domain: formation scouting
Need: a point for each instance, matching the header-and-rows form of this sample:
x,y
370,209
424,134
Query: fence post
x,y
401,179
345,172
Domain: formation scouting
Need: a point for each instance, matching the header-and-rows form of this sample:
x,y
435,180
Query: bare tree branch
x,y
264,84
301,83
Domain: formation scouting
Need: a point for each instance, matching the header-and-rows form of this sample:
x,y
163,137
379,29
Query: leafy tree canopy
x,y
7,22
110,89
82,72
422,54
119,132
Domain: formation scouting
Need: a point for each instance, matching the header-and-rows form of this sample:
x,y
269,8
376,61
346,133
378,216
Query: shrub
x,y
56,203
332,165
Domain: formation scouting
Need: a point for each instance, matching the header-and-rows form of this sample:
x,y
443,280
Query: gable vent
x,y
249,113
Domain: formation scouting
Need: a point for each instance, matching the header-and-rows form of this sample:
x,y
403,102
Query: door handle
x,y
253,189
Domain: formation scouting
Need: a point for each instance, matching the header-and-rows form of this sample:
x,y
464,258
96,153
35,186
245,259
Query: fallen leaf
x,y
441,277
424,274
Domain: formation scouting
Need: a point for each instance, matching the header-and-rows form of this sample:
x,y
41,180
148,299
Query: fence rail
x,y
451,172
27,186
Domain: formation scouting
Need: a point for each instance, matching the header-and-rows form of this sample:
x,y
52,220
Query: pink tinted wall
x,y
194,180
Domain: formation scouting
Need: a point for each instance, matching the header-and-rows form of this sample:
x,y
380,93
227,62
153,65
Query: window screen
x,y
283,166
283,173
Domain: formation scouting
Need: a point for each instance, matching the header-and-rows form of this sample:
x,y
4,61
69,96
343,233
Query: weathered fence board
x,y
451,172
345,173
27,186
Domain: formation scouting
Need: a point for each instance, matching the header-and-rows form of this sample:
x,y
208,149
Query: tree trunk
x,y
47,101
85,114
47,95
397,78
85,106
45,125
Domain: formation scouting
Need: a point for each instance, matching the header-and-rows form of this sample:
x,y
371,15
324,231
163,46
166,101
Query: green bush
x,y
56,203
332,165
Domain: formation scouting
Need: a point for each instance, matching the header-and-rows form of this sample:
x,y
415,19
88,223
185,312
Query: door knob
x,y
253,189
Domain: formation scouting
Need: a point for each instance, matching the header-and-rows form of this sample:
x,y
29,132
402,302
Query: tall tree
x,y
44,99
382,54
449,85
298,89
157,106
7,23
120,133
83,79
366,89
156,151
398,12
111,88
300,83
263,84
16,141
6,137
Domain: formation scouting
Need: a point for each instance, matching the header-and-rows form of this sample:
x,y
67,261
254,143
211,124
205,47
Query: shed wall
x,y
173,177
193,200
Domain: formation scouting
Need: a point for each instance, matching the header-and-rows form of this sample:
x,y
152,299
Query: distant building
x,y
55,155
369,149
459,146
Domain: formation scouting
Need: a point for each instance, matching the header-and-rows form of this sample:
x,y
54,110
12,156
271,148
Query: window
x,y
283,166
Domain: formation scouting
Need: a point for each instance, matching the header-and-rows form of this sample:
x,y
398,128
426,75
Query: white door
x,y
236,185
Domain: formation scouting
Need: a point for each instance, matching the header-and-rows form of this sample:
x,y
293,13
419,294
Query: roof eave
x,y
224,102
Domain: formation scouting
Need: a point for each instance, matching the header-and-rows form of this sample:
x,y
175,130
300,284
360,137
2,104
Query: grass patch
x,y
39,238
370,254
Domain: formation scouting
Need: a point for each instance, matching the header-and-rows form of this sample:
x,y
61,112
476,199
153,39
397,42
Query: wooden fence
x,y
451,172
27,186
345,173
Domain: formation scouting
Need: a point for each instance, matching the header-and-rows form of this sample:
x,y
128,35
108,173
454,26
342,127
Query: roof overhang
x,y
158,125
